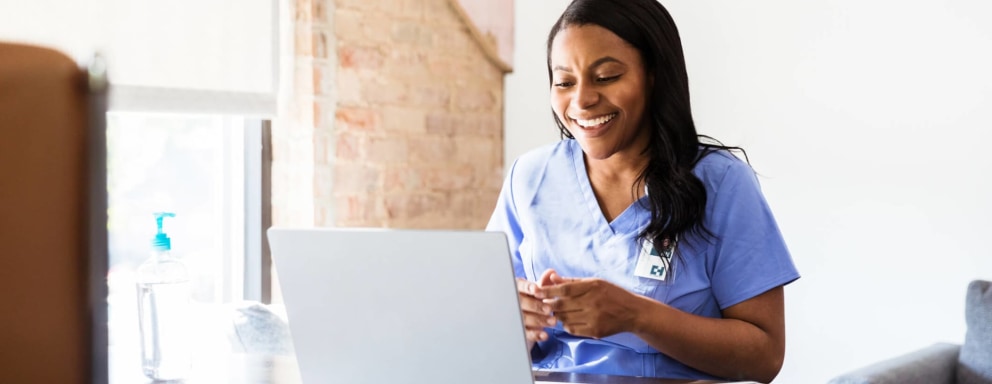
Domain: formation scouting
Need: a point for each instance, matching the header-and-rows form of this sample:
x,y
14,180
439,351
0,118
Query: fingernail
x,y
551,321
543,336
546,309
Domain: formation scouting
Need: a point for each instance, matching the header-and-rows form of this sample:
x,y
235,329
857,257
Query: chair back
x,y
53,218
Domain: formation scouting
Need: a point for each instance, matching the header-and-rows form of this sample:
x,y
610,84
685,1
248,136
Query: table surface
x,y
215,361
273,369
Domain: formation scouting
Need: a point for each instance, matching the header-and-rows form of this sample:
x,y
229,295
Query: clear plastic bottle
x,y
164,310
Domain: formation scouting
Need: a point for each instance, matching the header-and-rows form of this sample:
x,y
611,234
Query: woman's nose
x,y
585,96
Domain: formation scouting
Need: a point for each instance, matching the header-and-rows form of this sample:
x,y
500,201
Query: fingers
x,y
546,277
533,305
536,313
569,288
556,279
528,288
537,321
537,316
536,335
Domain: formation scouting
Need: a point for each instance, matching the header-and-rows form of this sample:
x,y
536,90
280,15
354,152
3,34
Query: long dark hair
x,y
677,198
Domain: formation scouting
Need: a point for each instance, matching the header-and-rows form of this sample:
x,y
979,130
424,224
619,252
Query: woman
x,y
640,250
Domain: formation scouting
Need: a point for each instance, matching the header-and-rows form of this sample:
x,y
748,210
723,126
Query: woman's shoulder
x,y
538,158
717,164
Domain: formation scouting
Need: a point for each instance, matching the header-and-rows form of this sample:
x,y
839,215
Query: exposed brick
x,y
386,150
359,208
393,8
319,43
465,124
303,80
431,96
490,124
414,205
409,65
319,113
440,13
323,83
475,100
449,178
320,11
476,150
362,28
348,24
403,129
413,9
304,40
458,41
442,123
303,12
488,177
349,89
358,5
356,119
403,120
439,178
414,33
431,150
402,178
446,66
350,146
384,92
356,178
324,147
323,182
476,205
323,214
367,58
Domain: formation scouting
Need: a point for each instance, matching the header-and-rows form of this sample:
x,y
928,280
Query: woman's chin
x,y
595,152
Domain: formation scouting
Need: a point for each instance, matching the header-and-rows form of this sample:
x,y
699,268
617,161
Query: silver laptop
x,y
401,306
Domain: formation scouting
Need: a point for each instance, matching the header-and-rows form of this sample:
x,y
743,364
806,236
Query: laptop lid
x,y
401,306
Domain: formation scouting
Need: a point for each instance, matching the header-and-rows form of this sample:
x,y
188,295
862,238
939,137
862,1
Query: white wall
x,y
869,123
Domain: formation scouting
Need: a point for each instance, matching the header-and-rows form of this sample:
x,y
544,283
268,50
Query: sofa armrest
x,y
934,364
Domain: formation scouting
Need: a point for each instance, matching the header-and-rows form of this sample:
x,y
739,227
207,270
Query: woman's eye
x,y
563,84
607,79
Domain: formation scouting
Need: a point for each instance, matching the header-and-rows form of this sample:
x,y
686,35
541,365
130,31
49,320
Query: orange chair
x,y
53,218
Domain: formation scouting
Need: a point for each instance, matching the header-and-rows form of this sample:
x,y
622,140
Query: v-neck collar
x,y
624,223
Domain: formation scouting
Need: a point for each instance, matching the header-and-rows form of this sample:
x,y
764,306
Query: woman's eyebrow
x,y
598,62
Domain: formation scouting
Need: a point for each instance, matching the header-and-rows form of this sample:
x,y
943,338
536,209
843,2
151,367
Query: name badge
x,y
653,264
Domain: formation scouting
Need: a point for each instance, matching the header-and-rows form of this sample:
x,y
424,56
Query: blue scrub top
x,y
552,220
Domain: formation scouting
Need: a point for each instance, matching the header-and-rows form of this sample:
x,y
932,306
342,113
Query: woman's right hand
x,y
537,315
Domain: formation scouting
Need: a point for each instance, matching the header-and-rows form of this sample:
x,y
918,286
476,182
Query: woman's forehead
x,y
588,43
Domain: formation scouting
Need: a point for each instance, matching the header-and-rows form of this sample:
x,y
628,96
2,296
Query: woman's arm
x,y
748,343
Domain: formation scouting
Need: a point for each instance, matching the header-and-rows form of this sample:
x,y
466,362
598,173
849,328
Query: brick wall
x,y
395,118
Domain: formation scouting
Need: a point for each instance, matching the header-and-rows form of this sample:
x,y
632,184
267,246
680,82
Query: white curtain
x,y
210,56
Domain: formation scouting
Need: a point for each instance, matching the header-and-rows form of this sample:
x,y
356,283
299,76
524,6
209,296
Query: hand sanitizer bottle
x,y
164,310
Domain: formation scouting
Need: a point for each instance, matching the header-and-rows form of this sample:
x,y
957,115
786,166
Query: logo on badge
x,y
655,264
658,270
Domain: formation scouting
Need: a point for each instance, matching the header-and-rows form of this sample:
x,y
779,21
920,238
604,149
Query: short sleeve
x,y
505,219
750,256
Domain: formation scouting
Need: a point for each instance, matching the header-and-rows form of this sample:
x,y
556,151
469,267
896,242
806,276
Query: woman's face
x,y
599,90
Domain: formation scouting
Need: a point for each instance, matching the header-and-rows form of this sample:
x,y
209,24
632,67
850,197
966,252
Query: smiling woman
x,y
598,93
640,250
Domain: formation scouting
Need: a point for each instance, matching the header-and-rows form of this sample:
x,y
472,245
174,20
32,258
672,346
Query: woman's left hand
x,y
591,307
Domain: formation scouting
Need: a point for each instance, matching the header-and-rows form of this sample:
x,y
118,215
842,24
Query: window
x,y
206,170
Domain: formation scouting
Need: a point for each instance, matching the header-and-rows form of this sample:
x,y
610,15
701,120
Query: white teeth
x,y
596,121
